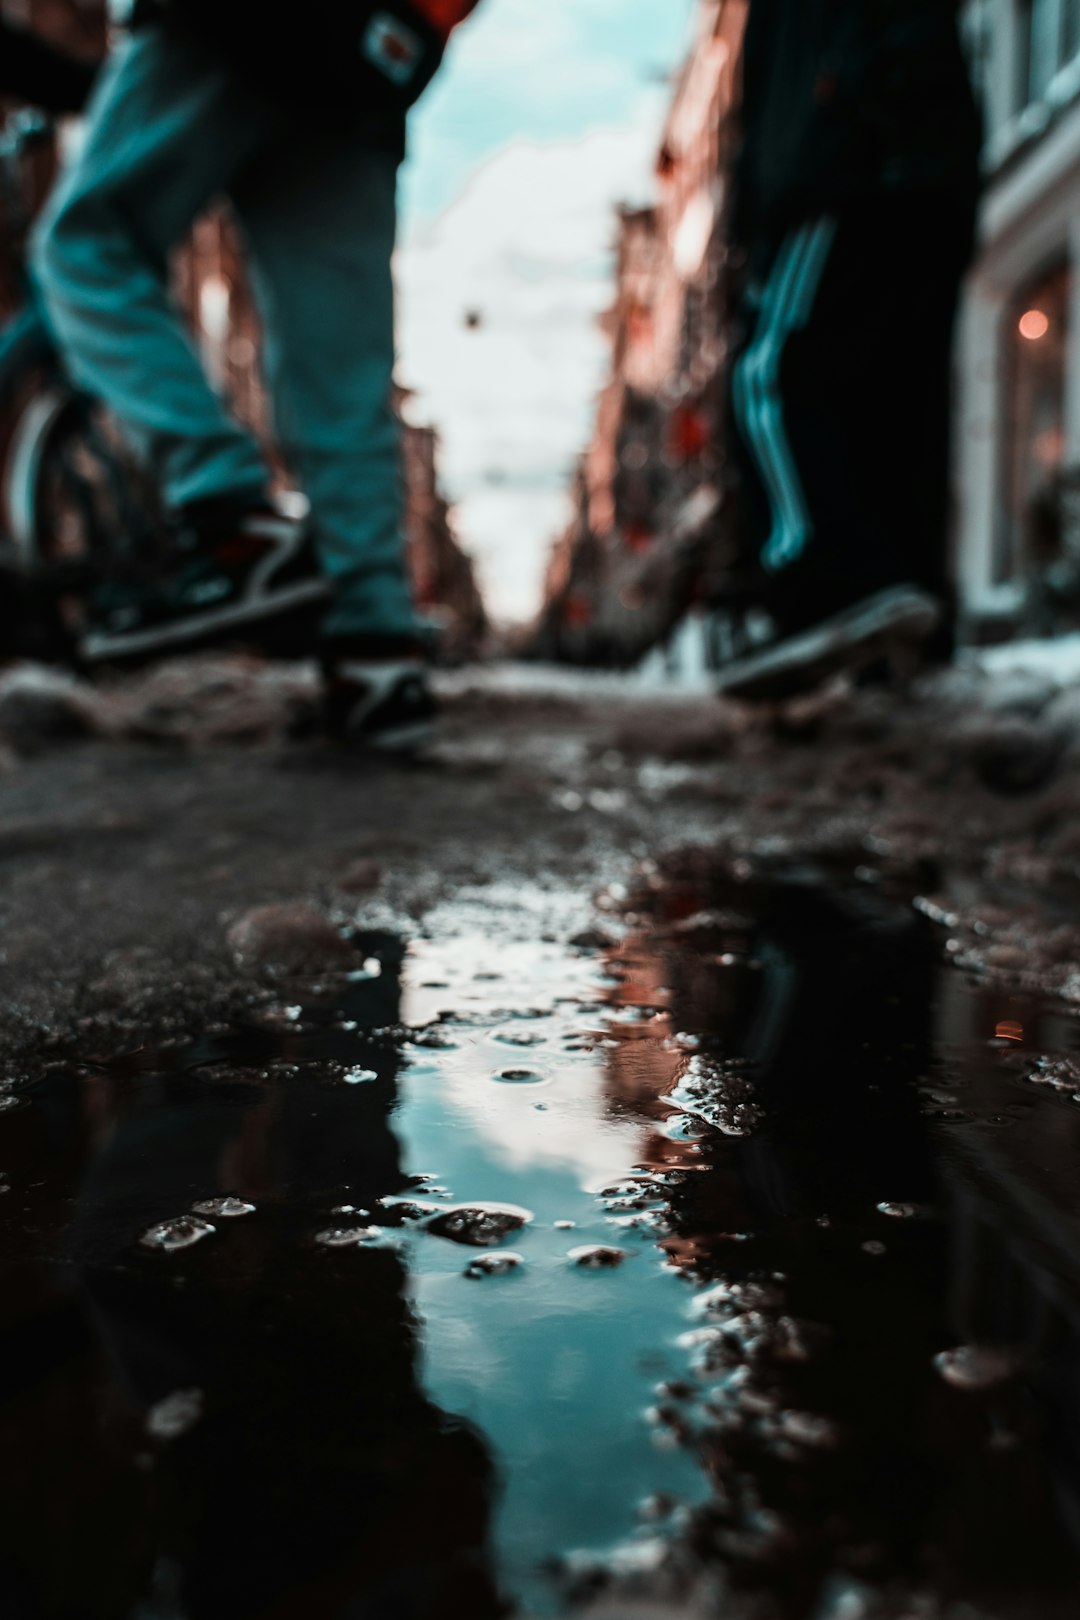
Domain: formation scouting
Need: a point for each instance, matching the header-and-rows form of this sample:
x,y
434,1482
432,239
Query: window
x,y
1070,29
1049,39
1043,47
1037,345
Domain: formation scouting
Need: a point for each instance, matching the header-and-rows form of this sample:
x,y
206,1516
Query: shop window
x,y
1037,339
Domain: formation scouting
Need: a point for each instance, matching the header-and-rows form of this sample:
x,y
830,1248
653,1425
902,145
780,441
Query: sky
x,y
546,114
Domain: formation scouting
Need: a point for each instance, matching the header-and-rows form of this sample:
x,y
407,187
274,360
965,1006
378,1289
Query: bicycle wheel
x,y
74,504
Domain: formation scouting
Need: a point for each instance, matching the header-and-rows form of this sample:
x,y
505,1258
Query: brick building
x,y
646,530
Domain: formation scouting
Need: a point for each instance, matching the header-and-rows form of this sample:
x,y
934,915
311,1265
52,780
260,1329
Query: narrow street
x,y
624,1164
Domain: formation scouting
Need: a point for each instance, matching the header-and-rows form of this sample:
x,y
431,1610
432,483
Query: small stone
x,y
347,1237
360,877
900,1212
175,1415
292,937
229,1209
977,1366
494,1265
178,1233
41,708
481,1225
597,1257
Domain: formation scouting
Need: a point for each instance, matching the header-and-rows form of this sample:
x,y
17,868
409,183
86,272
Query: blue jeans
x,y
170,130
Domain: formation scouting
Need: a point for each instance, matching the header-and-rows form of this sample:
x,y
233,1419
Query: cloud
x,y
528,248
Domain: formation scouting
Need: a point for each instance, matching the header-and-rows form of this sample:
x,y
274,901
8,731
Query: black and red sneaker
x,y
379,697
897,625
233,571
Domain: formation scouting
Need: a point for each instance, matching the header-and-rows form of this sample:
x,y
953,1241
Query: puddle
x,y
333,1318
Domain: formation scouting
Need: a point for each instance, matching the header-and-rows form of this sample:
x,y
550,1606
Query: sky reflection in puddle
x,y
802,1136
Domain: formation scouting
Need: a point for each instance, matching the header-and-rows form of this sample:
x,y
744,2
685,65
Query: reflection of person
x,y
837,1023
303,131
854,207
33,70
318,1481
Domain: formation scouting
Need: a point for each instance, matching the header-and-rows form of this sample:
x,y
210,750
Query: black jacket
x,y
314,61
844,99
33,70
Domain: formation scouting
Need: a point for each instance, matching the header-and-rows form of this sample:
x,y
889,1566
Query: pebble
x,y
228,1208
481,1225
597,1257
293,937
977,1366
494,1265
172,1417
179,1233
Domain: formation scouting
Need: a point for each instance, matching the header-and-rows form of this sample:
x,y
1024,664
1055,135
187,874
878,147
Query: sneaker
x,y
380,703
899,620
230,573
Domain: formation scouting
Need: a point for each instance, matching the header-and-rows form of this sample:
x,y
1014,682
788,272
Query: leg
x,y
168,130
319,211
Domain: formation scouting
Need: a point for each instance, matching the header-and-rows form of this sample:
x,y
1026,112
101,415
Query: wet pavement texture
x,y
688,1264
626,1165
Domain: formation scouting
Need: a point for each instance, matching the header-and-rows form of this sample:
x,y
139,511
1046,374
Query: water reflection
x,y
239,1429
533,1270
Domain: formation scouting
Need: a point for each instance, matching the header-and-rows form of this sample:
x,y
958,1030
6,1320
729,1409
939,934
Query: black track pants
x,y
840,402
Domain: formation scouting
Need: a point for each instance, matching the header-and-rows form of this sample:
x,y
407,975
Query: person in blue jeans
x,y
189,110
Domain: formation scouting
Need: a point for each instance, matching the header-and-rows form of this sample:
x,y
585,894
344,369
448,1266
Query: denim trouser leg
x,y
320,215
164,137
169,130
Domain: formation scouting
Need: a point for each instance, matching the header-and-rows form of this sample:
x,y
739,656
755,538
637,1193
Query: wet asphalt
x,y
491,1188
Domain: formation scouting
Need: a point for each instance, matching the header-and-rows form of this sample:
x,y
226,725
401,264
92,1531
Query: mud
x,y
649,1190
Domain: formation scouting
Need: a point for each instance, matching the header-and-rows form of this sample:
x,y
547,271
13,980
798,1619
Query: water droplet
x,y
348,1237
228,1208
519,1077
518,1037
359,1077
175,1415
494,1265
808,1429
179,1233
408,1209
683,1128
483,1225
901,1212
597,1257
977,1366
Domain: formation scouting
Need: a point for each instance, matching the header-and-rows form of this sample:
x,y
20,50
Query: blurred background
x,y
563,326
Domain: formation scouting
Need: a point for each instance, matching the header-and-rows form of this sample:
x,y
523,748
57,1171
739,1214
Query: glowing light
x,y
1034,324
1009,1030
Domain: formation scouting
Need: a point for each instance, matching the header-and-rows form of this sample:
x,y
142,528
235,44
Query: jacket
x,y
33,70
352,62
845,99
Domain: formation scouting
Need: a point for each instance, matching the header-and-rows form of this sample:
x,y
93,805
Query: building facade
x,y
1018,420
637,551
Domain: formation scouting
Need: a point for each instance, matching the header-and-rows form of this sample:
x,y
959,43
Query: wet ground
x,y
627,1167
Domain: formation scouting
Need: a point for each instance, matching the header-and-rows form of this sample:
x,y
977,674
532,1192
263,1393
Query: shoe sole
x,y
403,739
238,615
899,616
